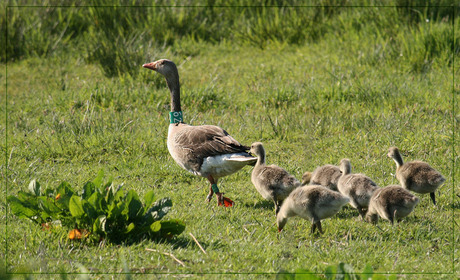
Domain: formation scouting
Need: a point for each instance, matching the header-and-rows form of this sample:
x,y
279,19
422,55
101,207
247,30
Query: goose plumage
x,y
358,187
327,175
206,150
313,203
417,176
391,203
271,181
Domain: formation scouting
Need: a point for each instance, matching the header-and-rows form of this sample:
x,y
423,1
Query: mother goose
x,y
205,150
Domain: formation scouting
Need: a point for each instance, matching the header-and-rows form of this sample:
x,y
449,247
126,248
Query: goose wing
x,y
207,140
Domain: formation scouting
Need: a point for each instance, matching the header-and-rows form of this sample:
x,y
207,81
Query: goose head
x,y
165,67
168,69
345,166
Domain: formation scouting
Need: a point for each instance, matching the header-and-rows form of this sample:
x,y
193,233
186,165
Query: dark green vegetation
x,y
314,84
101,211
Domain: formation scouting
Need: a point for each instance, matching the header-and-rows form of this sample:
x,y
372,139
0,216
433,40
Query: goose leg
x,y
211,191
313,227
432,195
277,206
320,229
221,200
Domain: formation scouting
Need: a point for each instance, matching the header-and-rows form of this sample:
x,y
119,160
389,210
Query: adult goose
x,y
205,150
271,181
313,203
417,176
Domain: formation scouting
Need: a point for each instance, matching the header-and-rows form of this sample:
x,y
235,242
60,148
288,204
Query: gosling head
x,y
393,152
345,166
306,178
280,221
257,149
163,66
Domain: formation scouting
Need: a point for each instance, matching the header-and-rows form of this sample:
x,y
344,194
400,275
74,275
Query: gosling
x,y
390,203
327,175
417,176
312,202
358,187
271,181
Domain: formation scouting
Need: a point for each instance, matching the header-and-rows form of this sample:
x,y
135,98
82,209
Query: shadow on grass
x,y
261,204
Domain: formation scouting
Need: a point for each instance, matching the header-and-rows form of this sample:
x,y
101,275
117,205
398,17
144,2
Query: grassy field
x,y
362,86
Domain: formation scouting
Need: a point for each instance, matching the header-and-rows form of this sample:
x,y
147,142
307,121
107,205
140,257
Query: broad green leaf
x,y
47,205
114,193
76,206
34,187
99,225
88,189
99,179
115,212
28,200
174,227
97,202
134,205
64,188
149,198
108,183
159,210
156,226
65,193
18,209
89,210
118,193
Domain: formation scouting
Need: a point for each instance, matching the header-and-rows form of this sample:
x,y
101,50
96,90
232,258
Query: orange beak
x,y
151,66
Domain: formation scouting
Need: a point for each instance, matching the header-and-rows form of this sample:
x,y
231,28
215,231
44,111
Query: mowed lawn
x,y
310,105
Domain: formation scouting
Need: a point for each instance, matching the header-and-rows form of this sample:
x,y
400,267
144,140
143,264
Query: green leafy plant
x,y
342,271
99,211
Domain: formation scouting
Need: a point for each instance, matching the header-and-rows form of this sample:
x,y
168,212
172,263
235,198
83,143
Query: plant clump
x,y
99,211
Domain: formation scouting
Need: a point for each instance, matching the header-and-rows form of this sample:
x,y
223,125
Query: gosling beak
x,y
151,65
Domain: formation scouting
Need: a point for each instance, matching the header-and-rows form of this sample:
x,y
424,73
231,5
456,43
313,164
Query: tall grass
x,y
120,35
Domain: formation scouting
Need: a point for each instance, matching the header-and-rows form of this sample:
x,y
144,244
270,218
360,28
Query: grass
x,y
310,103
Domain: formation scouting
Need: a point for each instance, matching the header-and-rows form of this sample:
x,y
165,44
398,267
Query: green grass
x,y
350,94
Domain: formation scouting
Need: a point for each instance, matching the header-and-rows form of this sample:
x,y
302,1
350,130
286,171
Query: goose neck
x,y
174,88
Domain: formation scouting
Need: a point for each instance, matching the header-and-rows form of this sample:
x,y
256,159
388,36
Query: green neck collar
x,y
175,117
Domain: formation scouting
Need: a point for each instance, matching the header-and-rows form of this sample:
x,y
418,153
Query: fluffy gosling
x,y
327,175
358,187
390,203
417,176
313,203
271,181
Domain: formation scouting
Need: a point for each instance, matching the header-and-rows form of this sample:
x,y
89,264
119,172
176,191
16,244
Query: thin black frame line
x,y
6,141
234,6
228,6
453,138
